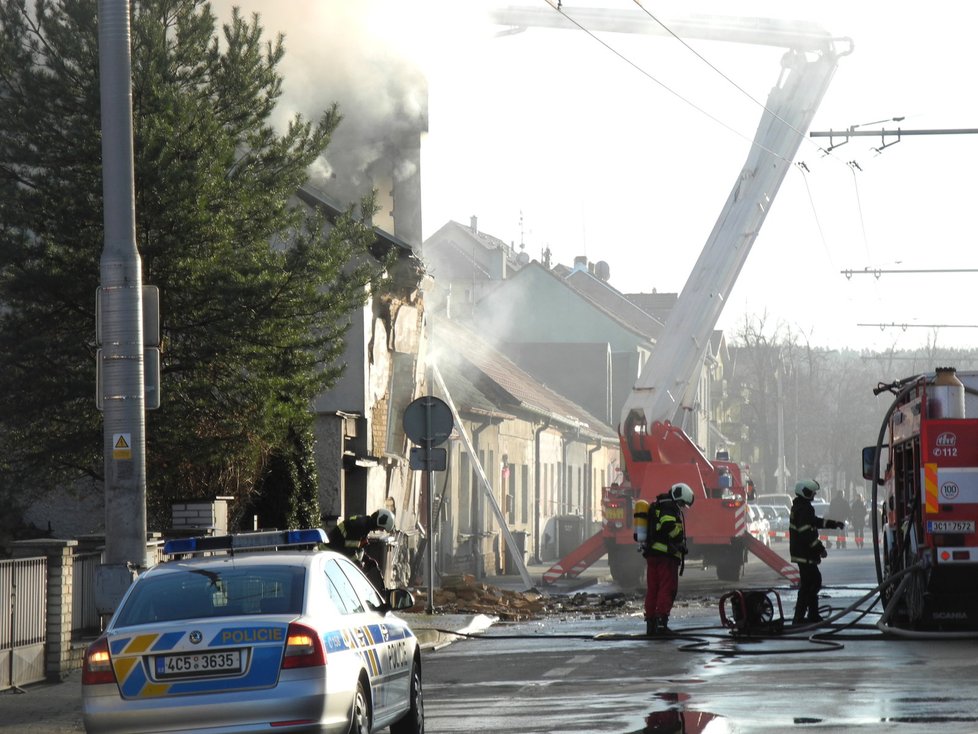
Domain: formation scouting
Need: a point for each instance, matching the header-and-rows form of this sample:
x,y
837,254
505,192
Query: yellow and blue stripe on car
x,y
264,642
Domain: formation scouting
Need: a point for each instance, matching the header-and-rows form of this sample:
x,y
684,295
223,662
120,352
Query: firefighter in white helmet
x,y
807,550
664,551
349,537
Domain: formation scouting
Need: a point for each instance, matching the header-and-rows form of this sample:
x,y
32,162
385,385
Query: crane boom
x,y
669,377
672,370
657,453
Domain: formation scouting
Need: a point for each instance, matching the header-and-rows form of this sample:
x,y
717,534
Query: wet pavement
x,y
576,673
522,677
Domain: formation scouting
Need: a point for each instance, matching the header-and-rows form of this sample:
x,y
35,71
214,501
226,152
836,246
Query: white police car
x,y
247,640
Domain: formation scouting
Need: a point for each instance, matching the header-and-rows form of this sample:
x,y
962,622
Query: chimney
x,y
474,224
580,262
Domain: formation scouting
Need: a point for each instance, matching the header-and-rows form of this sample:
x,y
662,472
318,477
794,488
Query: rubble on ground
x,y
462,594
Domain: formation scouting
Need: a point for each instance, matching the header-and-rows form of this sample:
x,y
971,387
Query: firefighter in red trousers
x,y
664,550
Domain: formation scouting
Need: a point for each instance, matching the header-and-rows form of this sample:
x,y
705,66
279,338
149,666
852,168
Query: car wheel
x,y
413,720
360,714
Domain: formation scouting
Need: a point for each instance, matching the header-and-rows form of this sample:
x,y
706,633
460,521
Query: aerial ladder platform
x,y
593,549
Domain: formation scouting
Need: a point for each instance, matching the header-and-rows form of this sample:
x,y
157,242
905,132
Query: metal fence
x,y
85,620
23,583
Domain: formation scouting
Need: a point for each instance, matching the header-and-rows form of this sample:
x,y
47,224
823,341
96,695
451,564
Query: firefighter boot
x,y
663,624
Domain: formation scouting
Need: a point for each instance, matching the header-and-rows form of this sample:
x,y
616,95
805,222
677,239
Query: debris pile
x,y
462,594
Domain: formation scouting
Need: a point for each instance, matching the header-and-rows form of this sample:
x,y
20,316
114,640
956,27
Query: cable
x,y
724,76
664,86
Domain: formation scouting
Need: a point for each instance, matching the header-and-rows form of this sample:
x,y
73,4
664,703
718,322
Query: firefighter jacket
x,y
803,527
348,535
667,535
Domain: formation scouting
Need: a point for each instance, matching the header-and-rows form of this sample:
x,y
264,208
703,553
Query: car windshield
x,y
195,593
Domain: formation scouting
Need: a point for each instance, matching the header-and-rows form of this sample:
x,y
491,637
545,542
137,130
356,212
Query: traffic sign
x,y
428,421
434,460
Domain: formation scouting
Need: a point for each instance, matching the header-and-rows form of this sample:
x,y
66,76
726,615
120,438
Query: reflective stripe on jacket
x,y
803,543
668,536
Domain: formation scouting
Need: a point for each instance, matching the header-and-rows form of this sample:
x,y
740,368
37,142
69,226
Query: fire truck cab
x,y
926,497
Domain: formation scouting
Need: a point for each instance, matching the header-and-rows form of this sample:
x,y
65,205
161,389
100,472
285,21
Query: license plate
x,y
614,513
950,526
196,664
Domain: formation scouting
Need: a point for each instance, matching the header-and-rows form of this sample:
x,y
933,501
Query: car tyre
x,y
413,720
360,714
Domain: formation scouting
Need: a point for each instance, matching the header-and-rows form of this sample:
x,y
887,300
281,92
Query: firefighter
x,y
664,551
350,536
807,550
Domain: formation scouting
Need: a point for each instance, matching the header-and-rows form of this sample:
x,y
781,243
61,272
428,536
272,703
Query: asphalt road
x,y
595,675
523,679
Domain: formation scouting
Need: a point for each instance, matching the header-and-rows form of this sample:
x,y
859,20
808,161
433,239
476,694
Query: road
x,y
554,675
557,676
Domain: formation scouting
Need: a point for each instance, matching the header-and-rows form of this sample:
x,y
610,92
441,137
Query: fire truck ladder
x,y
771,558
578,560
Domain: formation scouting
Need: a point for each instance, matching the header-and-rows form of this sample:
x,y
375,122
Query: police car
x,y
229,637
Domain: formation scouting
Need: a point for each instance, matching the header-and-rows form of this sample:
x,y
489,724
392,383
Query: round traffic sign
x,y
428,419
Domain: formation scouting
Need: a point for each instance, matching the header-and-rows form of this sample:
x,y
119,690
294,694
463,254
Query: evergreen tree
x,y
251,330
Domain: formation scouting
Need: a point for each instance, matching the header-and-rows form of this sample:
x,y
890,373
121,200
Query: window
x,y
202,592
341,591
525,494
365,590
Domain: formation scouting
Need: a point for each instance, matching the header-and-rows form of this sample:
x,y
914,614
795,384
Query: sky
x,y
624,147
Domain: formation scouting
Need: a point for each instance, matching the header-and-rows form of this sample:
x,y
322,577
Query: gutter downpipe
x,y
537,486
589,494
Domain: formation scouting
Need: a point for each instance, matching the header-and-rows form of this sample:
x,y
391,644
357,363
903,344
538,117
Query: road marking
x,y
559,672
574,663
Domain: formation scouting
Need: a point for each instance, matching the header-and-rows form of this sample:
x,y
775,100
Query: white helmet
x,y
682,493
807,488
385,520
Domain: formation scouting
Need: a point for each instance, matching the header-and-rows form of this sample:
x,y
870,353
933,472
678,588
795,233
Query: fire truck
x,y
657,452
924,527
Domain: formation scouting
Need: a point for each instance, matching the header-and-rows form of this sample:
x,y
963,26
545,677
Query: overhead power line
x,y
904,327
877,272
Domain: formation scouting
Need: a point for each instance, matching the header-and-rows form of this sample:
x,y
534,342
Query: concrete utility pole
x,y
120,320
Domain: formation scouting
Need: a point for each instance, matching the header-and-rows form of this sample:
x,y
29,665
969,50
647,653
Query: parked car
x,y
778,518
248,639
758,525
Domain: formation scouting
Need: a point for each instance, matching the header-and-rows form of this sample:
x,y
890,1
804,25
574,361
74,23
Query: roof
x,y
459,251
332,209
658,305
500,382
614,302
532,268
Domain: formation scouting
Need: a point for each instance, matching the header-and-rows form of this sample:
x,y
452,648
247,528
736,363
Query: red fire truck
x,y
924,532
657,451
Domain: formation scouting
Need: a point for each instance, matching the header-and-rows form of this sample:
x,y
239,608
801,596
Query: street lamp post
x,y
120,320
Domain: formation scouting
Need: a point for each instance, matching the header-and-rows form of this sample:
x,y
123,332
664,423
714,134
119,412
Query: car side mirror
x,y
869,464
400,599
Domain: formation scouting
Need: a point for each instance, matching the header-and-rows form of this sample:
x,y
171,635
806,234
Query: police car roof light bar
x,y
241,541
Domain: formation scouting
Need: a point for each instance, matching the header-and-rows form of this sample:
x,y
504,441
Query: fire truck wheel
x,y
730,569
627,567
